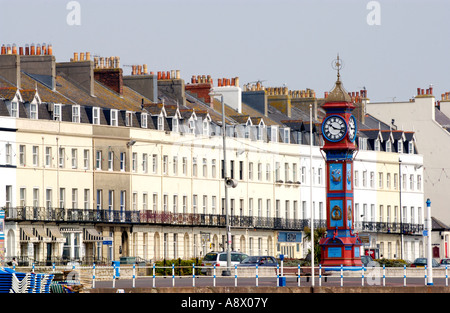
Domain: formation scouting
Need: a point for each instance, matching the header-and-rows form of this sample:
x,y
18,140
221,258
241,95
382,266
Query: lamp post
x,y
428,233
311,193
226,272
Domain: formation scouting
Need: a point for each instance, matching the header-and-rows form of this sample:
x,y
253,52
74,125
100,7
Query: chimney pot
x,y
50,50
145,69
38,49
14,49
75,56
21,50
88,56
44,49
81,56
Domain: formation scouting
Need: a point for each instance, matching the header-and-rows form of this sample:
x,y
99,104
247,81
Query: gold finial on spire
x,y
338,94
337,65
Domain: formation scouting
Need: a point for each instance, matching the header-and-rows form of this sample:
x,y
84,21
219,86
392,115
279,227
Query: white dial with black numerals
x,y
334,128
352,128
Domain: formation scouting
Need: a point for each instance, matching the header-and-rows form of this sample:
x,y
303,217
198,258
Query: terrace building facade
x,y
94,170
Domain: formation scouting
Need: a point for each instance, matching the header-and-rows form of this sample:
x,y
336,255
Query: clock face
x,y
352,128
334,128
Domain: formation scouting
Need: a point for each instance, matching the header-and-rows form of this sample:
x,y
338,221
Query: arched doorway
x,y
11,244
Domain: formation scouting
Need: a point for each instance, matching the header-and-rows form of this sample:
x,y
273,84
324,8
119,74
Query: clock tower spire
x,y
341,246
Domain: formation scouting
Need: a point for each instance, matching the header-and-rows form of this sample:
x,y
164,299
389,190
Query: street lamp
x,y
228,182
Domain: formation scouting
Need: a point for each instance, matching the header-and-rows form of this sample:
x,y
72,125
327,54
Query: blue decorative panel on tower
x,y
336,179
336,213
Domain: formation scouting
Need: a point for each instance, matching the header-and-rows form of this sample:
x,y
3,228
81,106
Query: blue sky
x,y
276,41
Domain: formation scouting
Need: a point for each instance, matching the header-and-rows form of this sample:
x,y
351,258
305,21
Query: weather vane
x,y
337,64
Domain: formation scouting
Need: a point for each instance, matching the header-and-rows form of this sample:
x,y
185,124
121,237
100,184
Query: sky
x,y
389,47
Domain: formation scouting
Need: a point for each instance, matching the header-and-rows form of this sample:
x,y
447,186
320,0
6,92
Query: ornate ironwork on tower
x,y
341,246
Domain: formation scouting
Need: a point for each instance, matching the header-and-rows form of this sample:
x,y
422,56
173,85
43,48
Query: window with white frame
x,y
175,124
22,155
194,166
86,159
35,155
154,163
205,127
400,146
14,109
144,118
286,132
411,147
377,145
74,158
48,156
205,167
144,163
114,117
96,116
110,160
61,157
165,164
75,113
175,165
98,159
122,161
74,198
128,119
8,153
175,204
57,112
33,111
134,162
86,199
144,201
160,122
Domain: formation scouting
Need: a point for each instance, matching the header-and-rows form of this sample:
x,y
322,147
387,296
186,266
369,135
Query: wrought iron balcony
x,y
60,215
390,228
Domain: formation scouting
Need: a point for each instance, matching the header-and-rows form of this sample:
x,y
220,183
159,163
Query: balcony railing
x,y
390,228
59,215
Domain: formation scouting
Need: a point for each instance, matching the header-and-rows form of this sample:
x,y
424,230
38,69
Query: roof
x,y
438,225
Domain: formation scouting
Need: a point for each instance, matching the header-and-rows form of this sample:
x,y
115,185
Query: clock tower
x,y
340,246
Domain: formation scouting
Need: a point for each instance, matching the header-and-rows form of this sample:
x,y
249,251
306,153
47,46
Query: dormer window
x,y
400,146
128,119
57,112
75,114
388,146
205,127
259,132
33,111
274,133
286,135
377,144
160,123
114,117
191,126
14,109
410,147
247,131
96,116
175,124
144,118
